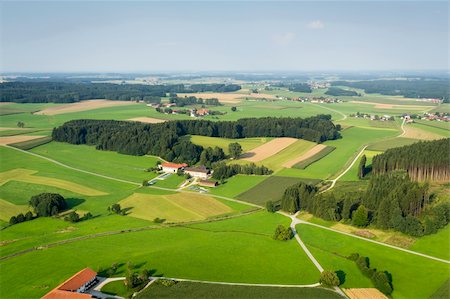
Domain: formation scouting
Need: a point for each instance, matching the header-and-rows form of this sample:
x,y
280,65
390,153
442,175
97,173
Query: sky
x,y
153,36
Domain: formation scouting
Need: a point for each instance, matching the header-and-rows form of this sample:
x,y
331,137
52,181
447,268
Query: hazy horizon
x,y
152,37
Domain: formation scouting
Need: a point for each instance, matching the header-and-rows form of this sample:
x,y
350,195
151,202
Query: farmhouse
x,y
207,183
75,287
172,167
198,172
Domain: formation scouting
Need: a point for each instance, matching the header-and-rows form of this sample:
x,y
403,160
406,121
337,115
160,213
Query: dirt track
x,y
148,120
268,149
81,106
305,156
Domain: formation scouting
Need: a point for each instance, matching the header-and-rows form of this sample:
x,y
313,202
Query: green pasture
x,y
288,154
316,157
107,163
437,245
173,181
197,290
237,184
412,276
436,124
220,251
270,189
353,139
444,132
386,144
246,143
352,174
19,192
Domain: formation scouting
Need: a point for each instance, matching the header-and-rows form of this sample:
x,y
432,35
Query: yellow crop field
x,y
179,207
7,210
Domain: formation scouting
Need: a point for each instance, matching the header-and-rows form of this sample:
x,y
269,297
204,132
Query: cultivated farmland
x,y
81,106
268,149
174,207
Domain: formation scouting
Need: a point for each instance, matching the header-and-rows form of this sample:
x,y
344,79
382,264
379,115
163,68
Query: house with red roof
x,y
74,287
172,167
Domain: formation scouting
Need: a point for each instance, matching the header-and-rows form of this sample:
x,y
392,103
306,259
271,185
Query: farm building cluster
x,y
319,100
373,116
438,116
202,173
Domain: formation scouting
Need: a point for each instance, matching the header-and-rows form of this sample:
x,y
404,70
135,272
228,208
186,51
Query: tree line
x,y
336,91
164,139
65,92
223,171
191,100
424,161
413,88
391,201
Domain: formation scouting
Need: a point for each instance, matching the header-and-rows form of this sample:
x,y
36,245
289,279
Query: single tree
x,y
28,216
329,278
235,150
115,208
361,216
233,109
13,220
20,218
72,217
362,167
270,207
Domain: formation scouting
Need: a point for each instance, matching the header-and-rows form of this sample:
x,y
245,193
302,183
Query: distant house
x,y
207,183
172,167
75,287
198,172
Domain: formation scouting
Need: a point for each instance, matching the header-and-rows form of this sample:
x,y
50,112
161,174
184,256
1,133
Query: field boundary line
x,y
376,242
344,116
72,168
242,283
123,231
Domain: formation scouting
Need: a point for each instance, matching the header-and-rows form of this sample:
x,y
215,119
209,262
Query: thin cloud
x,y
316,24
284,39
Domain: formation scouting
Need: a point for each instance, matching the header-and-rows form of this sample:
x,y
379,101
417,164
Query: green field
x,y
384,145
437,245
108,163
352,174
408,271
246,143
353,139
237,185
195,290
305,163
219,250
270,189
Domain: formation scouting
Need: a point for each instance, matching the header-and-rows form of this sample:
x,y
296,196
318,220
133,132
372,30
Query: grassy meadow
x,y
200,290
246,143
408,271
219,250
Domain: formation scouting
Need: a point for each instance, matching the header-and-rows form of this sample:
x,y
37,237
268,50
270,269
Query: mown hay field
x,y
178,207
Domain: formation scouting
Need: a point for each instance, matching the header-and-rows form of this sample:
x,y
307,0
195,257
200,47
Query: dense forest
x,y
297,87
336,91
392,201
424,161
164,140
64,92
422,88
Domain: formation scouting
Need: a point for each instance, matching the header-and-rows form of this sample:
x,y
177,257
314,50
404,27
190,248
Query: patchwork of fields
x,y
219,250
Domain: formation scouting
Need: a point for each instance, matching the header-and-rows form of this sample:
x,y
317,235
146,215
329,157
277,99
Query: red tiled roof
x,y
67,288
60,294
174,165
